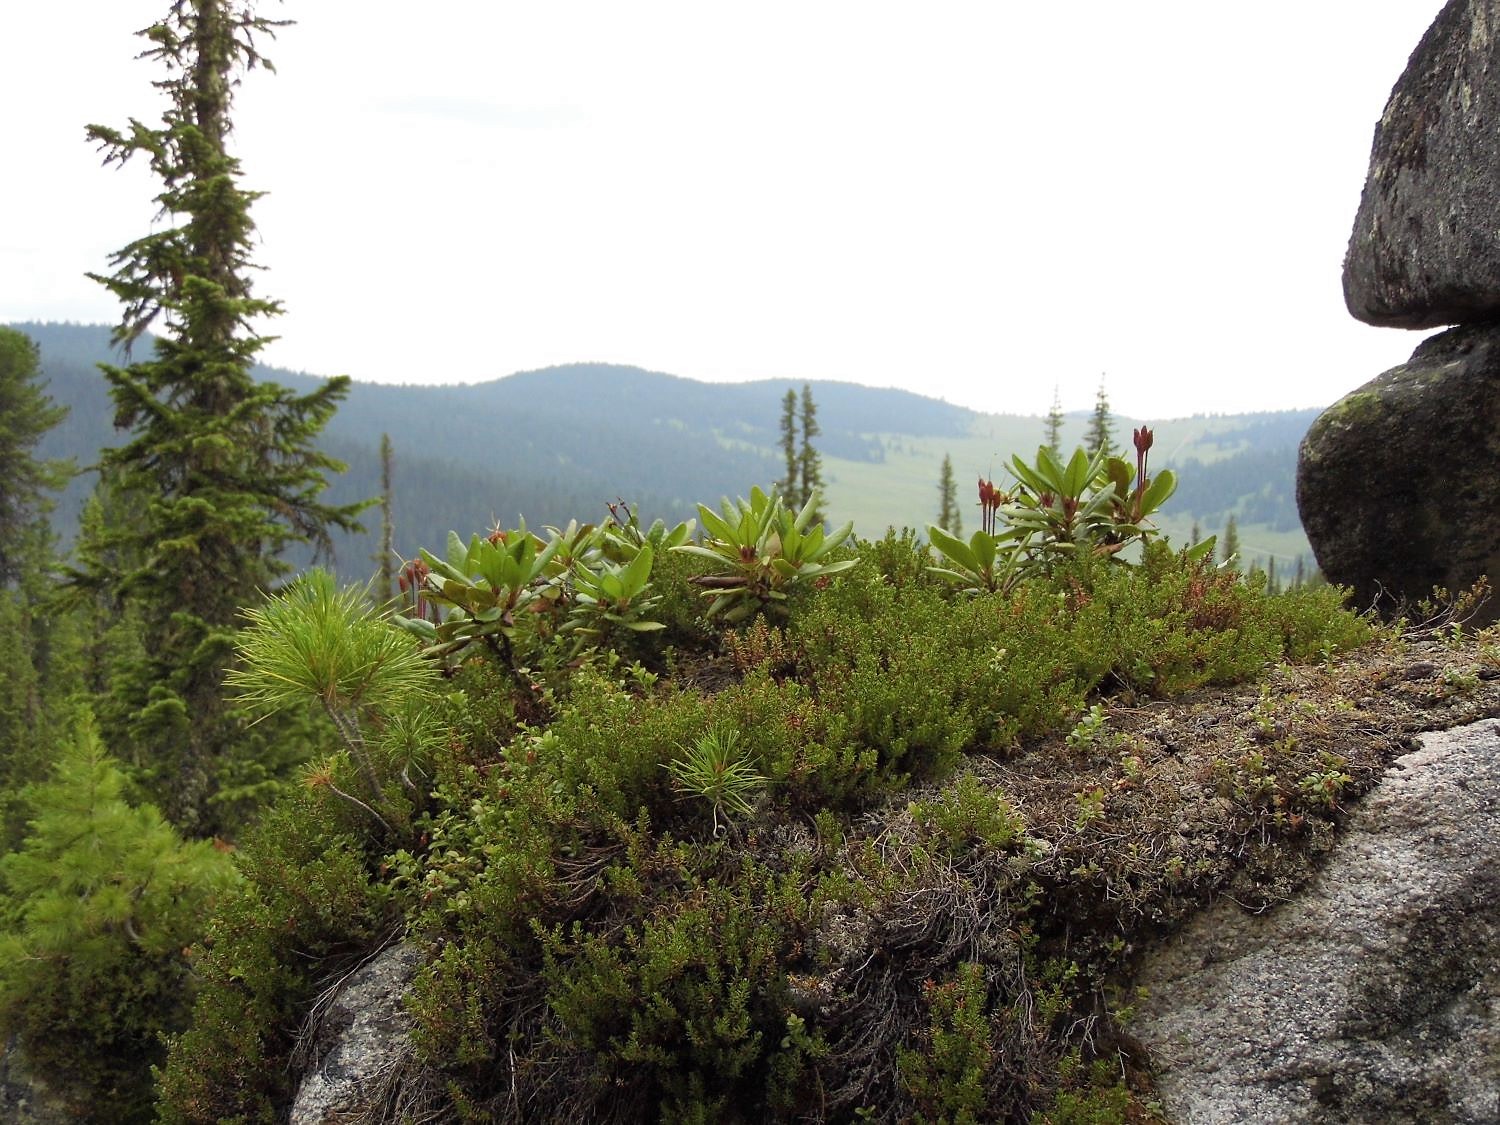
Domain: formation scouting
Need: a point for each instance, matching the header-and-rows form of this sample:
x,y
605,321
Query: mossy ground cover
x,y
945,825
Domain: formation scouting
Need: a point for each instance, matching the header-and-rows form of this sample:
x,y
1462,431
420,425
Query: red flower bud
x,y
990,499
1142,438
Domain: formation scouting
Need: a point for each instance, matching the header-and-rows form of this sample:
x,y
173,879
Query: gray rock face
x,y
26,1099
360,1046
1398,482
1425,250
1372,997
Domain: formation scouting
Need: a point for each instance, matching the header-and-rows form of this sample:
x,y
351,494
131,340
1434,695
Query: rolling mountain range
x,y
559,443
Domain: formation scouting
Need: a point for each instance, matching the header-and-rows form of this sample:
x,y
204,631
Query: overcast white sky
x,y
976,201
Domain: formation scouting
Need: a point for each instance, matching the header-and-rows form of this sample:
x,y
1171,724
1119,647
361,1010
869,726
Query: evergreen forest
x,y
466,456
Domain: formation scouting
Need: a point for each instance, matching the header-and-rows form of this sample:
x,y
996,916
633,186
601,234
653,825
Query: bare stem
x,y
353,800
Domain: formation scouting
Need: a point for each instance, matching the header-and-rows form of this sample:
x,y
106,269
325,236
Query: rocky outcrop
x,y
1375,994
1398,483
27,1100
1425,250
358,1047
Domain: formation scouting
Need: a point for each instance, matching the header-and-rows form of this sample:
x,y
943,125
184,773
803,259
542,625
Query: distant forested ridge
x,y
559,443
1254,476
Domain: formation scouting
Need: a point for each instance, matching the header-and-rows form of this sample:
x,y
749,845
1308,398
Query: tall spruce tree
x,y
228,464
809,461
26,414
387,558
1229,546
36,643
116,648
1054,426
1101,427
791,484
948,516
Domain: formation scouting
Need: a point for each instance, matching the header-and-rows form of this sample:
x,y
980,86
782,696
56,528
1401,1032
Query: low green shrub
x,y
1315,623
611,746
946,1073
650,889
885,677
685,1013
98,904
968,813
308,909
315,644
1091,1094
1176,623
783,727
900,559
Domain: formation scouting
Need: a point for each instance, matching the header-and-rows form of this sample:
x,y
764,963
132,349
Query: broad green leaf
x,y
540,561
953,574
442,569
1158,491
983,546
953,547
458,553
1036,482
706,552
836,538
1049,469
804,517
677,535
416,625
1077,476
717,527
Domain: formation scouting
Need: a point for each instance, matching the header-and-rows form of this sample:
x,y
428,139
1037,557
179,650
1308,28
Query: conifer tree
x,y
116,648
36,643
387,560
99,903
1229,546
1100,431
228,464
809,462
26,414
791,484
1054,426
21,713
43,650
948,516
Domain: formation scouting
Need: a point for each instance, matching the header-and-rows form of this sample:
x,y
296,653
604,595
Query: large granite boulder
x,y
1372,996
1426,244
1398,483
